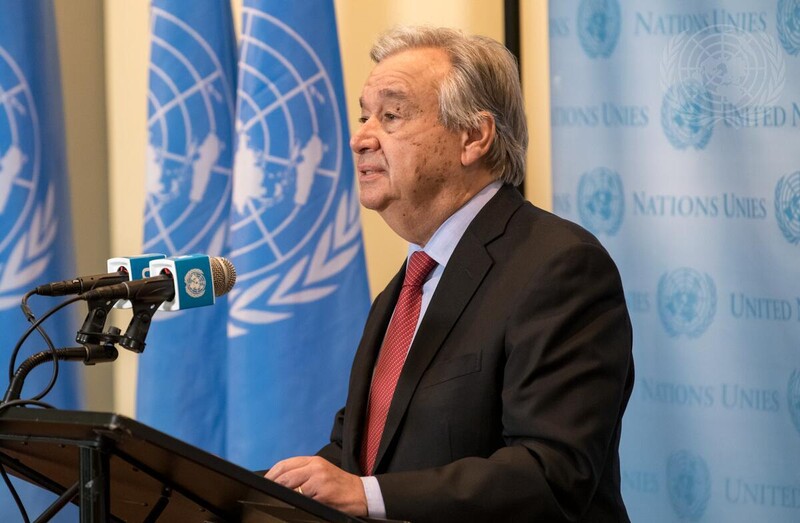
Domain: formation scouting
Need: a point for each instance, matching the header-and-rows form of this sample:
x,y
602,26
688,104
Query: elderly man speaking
x,y
494,369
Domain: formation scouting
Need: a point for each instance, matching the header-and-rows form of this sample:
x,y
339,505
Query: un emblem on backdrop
x,y
708,73
686,116
190,112
787,206
687,302
601,201
293,228
689,484
734,69
29,224
793,398
598,27
789,25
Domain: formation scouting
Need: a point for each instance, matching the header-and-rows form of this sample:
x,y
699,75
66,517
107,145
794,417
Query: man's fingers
x,y
287,465
293,478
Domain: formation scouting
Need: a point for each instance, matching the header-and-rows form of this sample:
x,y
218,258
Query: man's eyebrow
x,y
394,94
389,94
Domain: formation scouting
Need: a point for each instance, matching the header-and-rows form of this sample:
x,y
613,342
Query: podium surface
x,y
148,475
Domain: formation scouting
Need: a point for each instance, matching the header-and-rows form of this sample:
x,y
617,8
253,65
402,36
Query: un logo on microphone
x,y
194,283
190,119
789,25
295,223
687,302
787,206
598,27
601,201
689,485
28,215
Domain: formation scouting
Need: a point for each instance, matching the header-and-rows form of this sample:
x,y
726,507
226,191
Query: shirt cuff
x,y
375,505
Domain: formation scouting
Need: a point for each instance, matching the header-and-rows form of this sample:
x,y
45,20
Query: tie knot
x,y
419,266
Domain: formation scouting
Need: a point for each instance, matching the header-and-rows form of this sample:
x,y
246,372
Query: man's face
x,y
407,161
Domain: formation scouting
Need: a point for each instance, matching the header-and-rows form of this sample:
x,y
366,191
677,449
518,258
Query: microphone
x,y
137,266
181,282
119,270
82,284
192,276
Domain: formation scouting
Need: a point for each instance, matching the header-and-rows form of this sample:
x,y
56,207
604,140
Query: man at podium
x,y
494,369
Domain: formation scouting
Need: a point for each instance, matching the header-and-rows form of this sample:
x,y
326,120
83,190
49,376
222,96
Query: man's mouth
x,y
369,170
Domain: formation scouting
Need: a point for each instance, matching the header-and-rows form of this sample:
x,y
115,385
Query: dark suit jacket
x,y
510,403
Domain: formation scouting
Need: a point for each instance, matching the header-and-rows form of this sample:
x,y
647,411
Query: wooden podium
x,y
117,469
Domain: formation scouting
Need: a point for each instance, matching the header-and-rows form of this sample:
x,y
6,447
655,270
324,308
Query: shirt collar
x,y
444,240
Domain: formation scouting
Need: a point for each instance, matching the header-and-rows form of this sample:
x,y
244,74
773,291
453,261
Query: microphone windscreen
x,y
224,275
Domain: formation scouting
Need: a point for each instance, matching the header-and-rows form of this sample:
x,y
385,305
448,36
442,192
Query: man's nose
x,y
365,139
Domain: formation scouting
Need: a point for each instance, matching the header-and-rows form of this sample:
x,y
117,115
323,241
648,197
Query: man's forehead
x,y
406,75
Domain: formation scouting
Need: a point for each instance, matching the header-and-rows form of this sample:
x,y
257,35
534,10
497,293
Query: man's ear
x,y
476,142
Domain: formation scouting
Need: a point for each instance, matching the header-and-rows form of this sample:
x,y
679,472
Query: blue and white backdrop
x,y
676,136
35,217
301,297
251,160
191,95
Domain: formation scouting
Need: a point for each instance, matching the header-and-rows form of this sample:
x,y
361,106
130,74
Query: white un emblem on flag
x,y
29,225
190,107
285,242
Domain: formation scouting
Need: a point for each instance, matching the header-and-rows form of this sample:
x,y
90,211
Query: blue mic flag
x,y
302,297
36,239
191,90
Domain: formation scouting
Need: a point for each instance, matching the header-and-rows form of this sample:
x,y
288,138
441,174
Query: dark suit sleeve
x,y
333,450
567,375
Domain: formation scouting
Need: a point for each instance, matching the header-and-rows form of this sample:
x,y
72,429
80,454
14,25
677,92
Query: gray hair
x,y
484,77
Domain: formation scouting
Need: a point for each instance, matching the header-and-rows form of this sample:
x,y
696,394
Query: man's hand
x,y
322,481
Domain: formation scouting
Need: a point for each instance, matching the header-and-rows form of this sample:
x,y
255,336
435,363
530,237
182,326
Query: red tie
x,y
393,355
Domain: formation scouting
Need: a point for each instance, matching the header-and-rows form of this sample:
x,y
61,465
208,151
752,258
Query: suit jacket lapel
x,y
461,278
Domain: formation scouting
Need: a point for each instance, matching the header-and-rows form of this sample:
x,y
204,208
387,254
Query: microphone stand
x,y
95,322
135,334
89,354
96,347
145,295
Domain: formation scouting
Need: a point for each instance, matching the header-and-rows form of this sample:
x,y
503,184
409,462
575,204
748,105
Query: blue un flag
x,y
35,223
302,296
190,103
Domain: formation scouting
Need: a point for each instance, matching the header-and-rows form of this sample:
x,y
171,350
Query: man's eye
x,y
390,116
363,120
